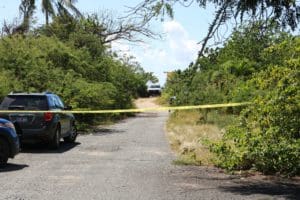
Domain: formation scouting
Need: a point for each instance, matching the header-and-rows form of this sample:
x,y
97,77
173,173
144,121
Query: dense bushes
x,y
45,63
267,135
258,65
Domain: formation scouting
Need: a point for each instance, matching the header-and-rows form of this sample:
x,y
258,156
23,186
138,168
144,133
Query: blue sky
x,y
175,51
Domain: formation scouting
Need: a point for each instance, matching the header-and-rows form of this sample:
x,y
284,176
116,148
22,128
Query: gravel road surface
x,y
129,160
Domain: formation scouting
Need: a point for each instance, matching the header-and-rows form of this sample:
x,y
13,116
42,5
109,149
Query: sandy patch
x,y
147,103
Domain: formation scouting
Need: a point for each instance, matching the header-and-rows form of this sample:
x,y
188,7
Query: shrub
x,y
267,136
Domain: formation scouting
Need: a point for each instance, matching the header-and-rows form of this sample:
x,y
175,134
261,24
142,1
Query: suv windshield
x,y
19,102
155,86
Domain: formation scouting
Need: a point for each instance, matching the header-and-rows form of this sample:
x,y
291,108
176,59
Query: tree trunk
x,y
47,17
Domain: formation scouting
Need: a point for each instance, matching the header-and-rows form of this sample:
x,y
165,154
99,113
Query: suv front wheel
x,y
73,134
54,144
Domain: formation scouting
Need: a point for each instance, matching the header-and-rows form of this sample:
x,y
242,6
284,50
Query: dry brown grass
x,y
186,136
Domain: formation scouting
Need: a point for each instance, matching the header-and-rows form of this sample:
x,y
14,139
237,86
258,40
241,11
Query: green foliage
x,y
267,136
68,57
231,151
7,84
257,65
187,159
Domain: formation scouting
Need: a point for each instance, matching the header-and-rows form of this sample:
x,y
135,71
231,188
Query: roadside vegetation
x,y
187,134
72,57
258,64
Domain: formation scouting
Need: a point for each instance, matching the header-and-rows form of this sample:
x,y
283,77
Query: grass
x,y
162,100
188,159
187,132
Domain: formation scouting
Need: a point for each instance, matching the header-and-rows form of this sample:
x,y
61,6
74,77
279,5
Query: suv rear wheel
x,y
4,151
54,144
72,137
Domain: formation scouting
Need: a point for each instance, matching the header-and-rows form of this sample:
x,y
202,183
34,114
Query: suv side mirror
x,y
68,108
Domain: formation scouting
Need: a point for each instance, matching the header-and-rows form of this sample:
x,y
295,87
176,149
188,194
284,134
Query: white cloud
x,y
120,47
124,49
174,29
182,46
176,51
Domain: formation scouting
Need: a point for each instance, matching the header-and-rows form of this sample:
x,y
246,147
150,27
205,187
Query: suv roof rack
x,y
14,92
21,92
48,92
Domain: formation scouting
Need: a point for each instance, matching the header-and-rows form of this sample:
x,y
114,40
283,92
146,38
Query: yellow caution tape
x,y
138,110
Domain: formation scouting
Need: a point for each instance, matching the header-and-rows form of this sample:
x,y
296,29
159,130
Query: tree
x,y
112,28
103,26
286,13
48,7
26,10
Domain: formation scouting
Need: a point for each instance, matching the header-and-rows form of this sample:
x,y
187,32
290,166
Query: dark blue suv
x,y
9,141
46,126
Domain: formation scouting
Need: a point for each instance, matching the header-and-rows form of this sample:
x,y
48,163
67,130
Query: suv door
x,y
66,118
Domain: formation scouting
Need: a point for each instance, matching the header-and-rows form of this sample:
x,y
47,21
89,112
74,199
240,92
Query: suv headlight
x,y
8,125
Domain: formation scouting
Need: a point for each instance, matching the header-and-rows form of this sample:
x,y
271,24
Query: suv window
x,y
52,102
19,102
155,86
59,103
55,102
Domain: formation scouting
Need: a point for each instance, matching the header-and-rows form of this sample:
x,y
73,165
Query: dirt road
x,y
129,160
147,103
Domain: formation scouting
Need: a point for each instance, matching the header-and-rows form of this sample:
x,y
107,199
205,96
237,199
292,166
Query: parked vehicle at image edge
x,y
9,141
154,90
48,126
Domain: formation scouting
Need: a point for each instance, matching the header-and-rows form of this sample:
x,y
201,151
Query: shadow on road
x,y
213,178
286,190
106,131
147,115
12,167
43,148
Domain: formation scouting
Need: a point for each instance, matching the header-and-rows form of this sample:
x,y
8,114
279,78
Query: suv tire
x,y
4,151
55,142
72,137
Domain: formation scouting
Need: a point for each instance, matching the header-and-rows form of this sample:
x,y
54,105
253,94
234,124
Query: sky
x,y
176,50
